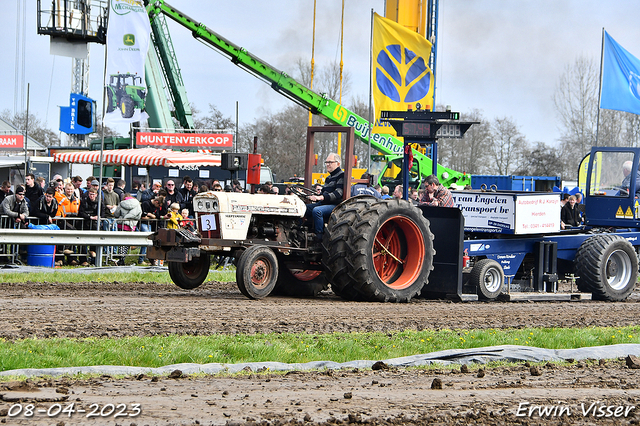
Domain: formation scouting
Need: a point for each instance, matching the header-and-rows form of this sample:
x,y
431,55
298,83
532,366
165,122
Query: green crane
x,y
390,146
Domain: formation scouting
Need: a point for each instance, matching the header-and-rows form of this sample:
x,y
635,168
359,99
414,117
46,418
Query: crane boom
x,y
389,145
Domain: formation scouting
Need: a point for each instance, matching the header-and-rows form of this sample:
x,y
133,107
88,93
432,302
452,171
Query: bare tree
x,y
471,154
543,160
215,120
508,146
37,128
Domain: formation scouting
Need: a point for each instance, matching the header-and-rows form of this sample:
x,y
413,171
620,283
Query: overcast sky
x,y
502,57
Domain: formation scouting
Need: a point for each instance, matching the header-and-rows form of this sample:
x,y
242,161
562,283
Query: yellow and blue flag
x,y
620,78
401,76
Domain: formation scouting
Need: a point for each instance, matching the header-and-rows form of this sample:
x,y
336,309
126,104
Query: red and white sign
x,y
11,142
185,140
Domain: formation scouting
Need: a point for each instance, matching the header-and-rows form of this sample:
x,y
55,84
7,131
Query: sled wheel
x,y
191,274
488,277
257,272
335,246
391,250
126,107
607,266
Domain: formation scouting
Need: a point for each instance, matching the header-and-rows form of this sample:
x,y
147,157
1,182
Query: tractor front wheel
x,y
126,107
192,274
257,272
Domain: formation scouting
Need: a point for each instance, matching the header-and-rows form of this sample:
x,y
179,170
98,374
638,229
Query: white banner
x,y
127,44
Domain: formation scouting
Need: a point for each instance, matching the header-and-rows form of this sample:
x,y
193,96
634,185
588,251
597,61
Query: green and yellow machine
x,y
387,164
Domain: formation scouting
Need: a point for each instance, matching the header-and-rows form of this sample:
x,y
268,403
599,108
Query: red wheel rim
x,y
305,274
260,273
398,252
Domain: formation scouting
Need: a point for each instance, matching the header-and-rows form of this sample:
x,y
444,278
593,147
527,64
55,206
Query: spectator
x,y
569,215
217,187
397,192
237,187
111,199
228,188
42,182
127,214
69,205
16,208
563,199
332,194
151,210
32,191
46,207
384,193
119,188
89,213
318,188
187,193
435,193
58,186
173,217
90,179
264,189
77,183
5,190
135,187
203,188
364,188
173,196
149,194
275,190
413,196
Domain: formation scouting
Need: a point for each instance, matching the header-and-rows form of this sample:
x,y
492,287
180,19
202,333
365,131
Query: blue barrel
x,y
40,255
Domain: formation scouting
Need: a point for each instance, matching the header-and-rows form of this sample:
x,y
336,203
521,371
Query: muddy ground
x,y
583,392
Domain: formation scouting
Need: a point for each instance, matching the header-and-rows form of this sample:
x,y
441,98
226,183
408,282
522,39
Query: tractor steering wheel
x,y
303,192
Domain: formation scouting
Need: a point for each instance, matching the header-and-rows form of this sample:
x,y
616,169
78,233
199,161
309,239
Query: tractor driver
x,y
329,197
626,182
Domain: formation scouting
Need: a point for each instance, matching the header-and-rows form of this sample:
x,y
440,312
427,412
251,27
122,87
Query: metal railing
x,y
75,245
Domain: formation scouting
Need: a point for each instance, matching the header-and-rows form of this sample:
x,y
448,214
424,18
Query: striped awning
x,y
140,157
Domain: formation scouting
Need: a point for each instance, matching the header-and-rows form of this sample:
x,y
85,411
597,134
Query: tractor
x,y
126,92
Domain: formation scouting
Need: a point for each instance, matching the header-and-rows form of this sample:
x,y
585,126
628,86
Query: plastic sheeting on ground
x,y
483,355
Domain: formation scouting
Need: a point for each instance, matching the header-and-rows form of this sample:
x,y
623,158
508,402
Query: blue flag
x,y
620,78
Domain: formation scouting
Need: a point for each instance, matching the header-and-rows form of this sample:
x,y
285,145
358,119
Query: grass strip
x,y
67,275
156,351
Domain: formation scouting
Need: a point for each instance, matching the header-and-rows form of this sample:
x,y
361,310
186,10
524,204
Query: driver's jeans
x,y
319,213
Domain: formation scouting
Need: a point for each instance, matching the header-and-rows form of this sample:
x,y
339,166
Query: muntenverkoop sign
x,y
185,140
506,213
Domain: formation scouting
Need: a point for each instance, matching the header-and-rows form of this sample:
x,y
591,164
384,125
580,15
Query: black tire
x,y
257,272
111,101
299,282
127,107
335,245
391,250
191,274
606,266
488,278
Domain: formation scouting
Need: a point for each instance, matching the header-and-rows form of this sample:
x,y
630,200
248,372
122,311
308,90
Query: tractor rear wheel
x,y
257,272
606,266
391,251
488,278
127,106
335,245
192,274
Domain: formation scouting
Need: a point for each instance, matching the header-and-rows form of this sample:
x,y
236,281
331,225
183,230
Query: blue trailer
x,y
510,245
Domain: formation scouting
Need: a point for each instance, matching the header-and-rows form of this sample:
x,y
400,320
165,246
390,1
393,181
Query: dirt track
x,y
377,397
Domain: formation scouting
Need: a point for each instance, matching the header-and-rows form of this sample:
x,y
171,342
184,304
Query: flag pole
x,y
600,87
370,93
